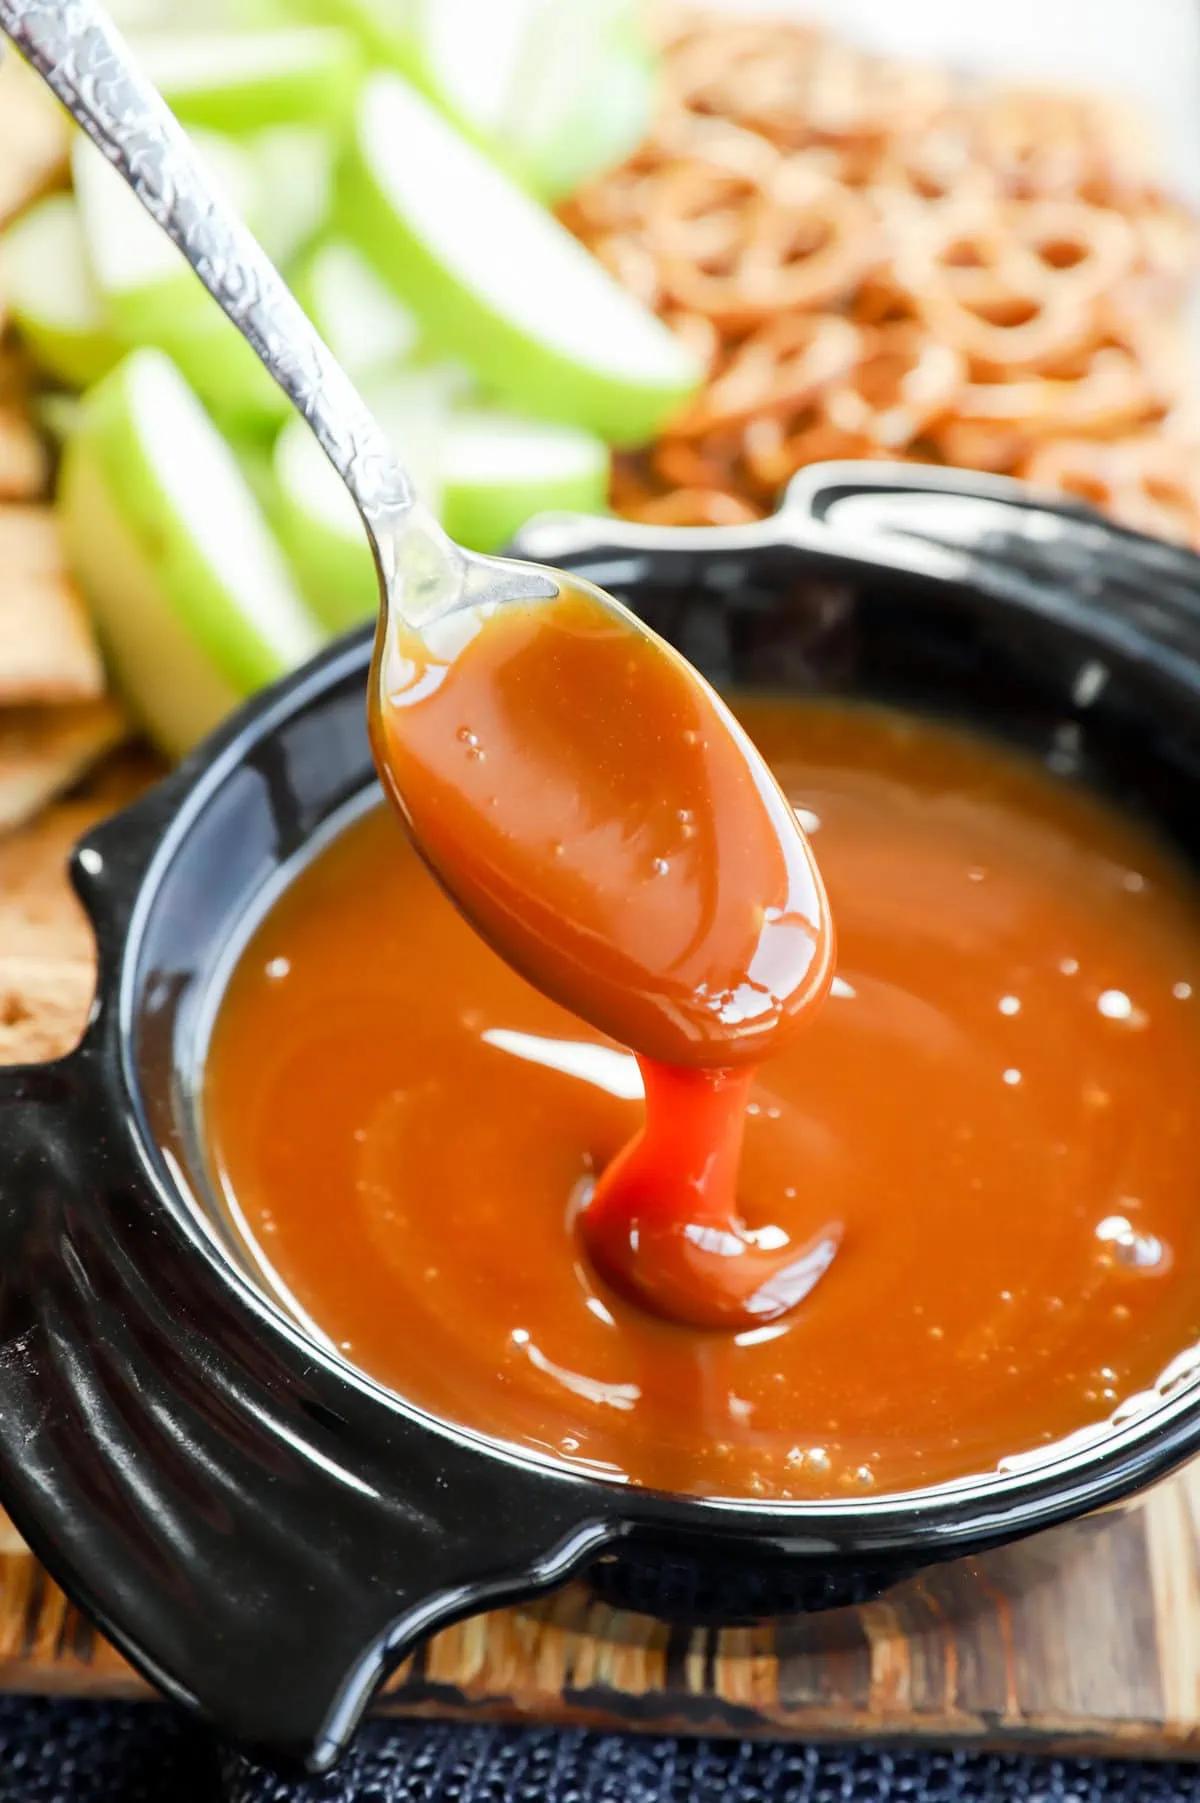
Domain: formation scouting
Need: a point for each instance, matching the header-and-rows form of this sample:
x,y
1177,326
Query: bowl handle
x,y
1056,558
259,1536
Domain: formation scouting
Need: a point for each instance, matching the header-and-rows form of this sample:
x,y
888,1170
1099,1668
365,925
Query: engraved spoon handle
x,y
79,53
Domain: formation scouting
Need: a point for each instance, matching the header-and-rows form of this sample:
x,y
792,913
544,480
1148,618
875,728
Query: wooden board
x,y
1085,1639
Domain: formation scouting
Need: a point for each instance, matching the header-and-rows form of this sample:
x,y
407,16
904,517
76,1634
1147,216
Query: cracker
x,y
40,916
48,651
44,751
44,1007
24,458
33,137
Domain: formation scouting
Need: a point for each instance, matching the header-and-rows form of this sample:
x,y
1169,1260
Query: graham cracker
x,y
44,751
48,650
34,135
44,1006
40,916
24,456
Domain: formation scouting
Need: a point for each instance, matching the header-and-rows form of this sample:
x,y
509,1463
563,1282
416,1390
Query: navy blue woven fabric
x,y
446,1764
55,1752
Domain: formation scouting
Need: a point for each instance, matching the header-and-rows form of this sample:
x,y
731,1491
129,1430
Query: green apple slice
x,y
356,313
497,470
189,590
315,519
52,294
584,97
469,55
496,280
555,91
57,414
382,28
294,165
151,295
240,81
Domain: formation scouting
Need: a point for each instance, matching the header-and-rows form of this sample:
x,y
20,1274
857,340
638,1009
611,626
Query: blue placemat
x,y
58,1752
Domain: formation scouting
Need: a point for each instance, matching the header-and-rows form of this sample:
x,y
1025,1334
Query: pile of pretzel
x,y
874,261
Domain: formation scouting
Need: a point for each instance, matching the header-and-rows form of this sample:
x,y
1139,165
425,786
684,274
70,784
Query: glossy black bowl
x,y
263,1530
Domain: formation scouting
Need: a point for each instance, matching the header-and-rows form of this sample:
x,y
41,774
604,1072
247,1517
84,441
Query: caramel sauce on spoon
x,y
605,823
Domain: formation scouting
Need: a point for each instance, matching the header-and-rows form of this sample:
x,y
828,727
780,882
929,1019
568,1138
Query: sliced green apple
x,y
240,81
189,590
496,280
583,95
153,297
469,54
555,91
294,165
52,293
58,414
497,470
382,28
356,313
316,520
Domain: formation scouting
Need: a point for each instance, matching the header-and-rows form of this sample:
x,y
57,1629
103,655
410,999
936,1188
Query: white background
x,y
1147,51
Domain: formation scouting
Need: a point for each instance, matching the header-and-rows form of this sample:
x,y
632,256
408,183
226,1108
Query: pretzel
x,y
980,290
1109,394
692,463
754,74
629,259
867,262
1148,484
700,336
702,212
774,449
903,383
768,253
933,168
694,507
1043,142
779,367
980,445
1074,248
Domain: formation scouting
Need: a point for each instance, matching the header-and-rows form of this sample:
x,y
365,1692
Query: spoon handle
x,y
79,53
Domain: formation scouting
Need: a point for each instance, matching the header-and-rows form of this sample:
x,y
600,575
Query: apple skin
x,y
485,511
314,518
334,569
319,90
152,296
365,326
294,166
180,318
513,364
45,248
180,643
163,675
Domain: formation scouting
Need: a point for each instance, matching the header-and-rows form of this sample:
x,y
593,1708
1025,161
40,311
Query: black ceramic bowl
x,y
263,1530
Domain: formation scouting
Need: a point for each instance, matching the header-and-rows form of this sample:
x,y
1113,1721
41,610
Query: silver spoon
x,y
425,577
80,54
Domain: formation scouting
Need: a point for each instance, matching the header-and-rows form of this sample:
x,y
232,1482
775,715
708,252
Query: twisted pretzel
x,y
1148,484
754,253
778,368
903,384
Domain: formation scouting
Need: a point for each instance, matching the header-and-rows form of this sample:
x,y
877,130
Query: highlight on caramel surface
x,y
602,819
992,1118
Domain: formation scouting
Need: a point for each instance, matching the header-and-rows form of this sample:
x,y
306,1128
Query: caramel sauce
x,y
985,1145
602,819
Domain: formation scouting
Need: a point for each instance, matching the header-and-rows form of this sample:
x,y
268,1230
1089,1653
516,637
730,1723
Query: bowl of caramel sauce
x,y
323,1327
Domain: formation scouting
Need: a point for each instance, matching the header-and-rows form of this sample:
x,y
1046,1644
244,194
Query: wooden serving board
x,y
1086,1639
